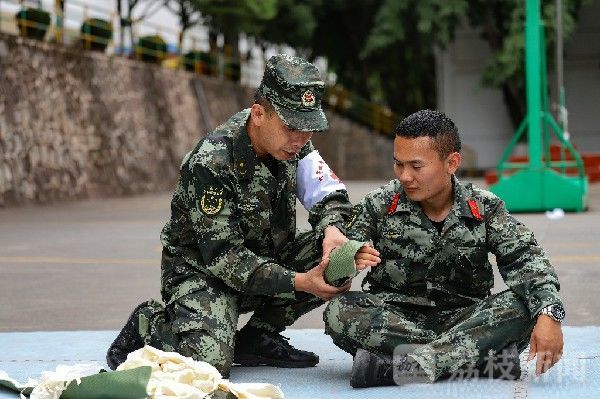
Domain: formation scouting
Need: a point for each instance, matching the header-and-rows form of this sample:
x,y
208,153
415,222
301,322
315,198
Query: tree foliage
x,y
405,32
232,17
292,23
187,14
384,49
126,19
341,33
501,25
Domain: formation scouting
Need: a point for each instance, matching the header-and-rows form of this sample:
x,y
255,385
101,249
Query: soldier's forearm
x,y
245,271
333,213
272,280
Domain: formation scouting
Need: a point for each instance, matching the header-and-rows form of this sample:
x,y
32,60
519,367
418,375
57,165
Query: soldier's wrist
x,y
555,312
299,281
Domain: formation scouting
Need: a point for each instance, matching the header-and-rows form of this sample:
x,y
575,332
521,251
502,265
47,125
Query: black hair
x,y
260,99
434,124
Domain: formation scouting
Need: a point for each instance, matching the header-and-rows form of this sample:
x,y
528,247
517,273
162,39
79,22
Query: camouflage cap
x,y
295,88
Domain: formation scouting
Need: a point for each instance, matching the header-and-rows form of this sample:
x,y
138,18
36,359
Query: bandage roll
x,y
341,266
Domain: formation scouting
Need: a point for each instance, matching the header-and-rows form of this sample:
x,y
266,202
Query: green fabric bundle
x,y
126,384
341,266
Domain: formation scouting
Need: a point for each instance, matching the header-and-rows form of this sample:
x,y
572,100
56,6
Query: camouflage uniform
x,y
434,289
231,247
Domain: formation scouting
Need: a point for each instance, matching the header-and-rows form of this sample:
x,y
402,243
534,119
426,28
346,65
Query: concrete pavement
x,y
84,265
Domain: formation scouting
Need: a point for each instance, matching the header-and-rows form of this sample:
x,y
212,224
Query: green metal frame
x,y
537,185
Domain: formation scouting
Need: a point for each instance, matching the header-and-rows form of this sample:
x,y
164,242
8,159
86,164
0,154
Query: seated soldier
x,y
432,235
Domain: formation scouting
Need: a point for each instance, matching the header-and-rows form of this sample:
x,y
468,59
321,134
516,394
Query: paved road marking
x,y
575,258
562,244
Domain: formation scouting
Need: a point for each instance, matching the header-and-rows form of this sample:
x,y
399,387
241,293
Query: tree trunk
x,y
180,40
121,28
231,43
131,35
514,99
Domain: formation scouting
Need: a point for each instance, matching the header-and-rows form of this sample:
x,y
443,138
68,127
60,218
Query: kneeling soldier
x,y
231,245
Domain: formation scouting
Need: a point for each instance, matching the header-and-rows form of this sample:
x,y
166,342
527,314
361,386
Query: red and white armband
x,y
315,180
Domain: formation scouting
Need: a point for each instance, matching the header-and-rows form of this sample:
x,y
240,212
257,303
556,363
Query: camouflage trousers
x,y
449,338
201,321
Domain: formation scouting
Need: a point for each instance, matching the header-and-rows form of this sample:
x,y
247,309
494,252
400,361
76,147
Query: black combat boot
x,y
371,369
127,341
505,365
256,347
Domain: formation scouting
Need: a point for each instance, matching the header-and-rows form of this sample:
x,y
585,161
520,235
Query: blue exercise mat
x,y
577,375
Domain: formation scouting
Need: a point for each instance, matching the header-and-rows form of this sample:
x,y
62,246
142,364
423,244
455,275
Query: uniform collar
x,y
244,158
460,206
463,194
406,205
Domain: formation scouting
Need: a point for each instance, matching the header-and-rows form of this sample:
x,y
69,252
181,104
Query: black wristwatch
x,y
555,311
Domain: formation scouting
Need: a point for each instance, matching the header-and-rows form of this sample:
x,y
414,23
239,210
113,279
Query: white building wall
x,y
479,111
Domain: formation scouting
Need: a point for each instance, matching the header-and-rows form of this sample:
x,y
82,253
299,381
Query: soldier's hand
x,y
547,342
366,256
314,283
333,238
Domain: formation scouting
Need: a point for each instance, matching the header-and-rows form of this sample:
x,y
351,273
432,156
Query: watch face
x,y
558,312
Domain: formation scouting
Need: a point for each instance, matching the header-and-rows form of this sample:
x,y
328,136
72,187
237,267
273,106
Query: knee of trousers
x,y
346,310
349,319
514,311
335,328
204,346
331,316
510,306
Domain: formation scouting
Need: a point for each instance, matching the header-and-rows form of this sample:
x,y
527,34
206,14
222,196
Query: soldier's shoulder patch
x,y
212,199
474,207
394,204
356,210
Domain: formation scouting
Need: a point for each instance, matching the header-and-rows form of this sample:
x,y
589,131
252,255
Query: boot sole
x,y
256,360
358,379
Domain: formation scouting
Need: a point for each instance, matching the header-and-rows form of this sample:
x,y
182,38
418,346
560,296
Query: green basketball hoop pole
x,y
541,183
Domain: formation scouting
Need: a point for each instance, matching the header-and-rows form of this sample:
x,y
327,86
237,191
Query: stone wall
x,y
78,125
353,151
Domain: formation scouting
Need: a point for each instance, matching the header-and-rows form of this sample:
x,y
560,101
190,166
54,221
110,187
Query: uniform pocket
x,y
254,218
182,289
474,271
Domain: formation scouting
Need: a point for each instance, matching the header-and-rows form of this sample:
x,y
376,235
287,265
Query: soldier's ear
x,y
258,114
453,162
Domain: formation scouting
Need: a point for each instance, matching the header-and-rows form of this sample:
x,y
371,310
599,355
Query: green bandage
x,y
341,266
